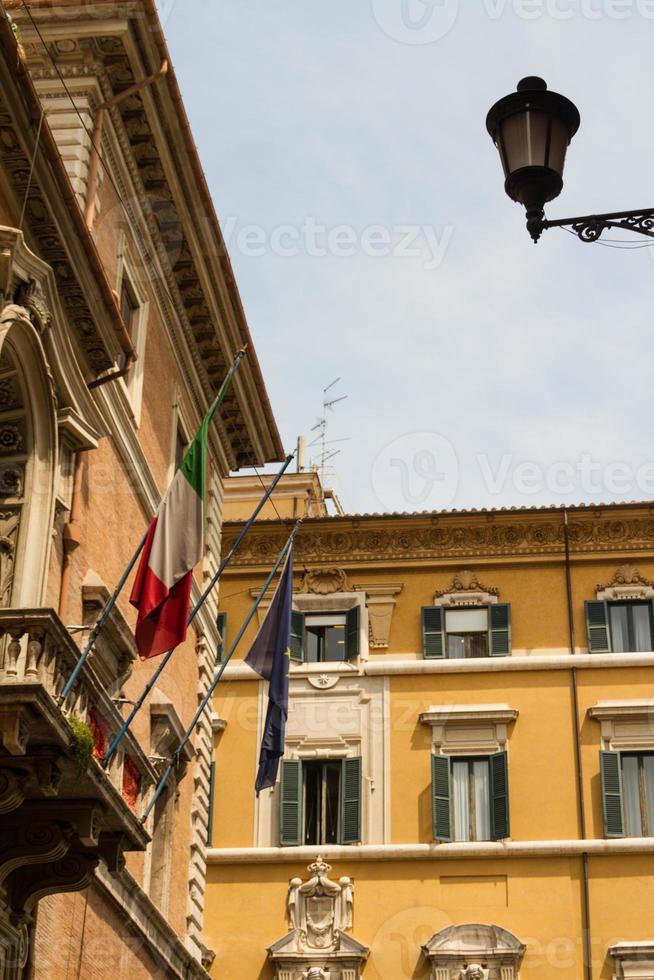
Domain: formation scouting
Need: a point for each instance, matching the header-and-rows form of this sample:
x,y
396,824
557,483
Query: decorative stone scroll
x,y
474,952
319,913
324,581
627,583
466,590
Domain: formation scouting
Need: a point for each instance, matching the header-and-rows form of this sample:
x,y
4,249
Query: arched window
x,y
28,453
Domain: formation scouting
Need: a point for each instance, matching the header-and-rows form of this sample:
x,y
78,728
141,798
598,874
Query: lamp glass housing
x,y
532,129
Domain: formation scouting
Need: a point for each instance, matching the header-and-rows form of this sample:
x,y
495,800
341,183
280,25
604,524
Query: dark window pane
x,y
334,643
332,776
311,778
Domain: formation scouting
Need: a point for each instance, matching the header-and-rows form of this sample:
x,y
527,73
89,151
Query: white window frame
x,y
132,386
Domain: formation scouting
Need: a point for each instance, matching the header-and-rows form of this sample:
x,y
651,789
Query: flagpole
x,y
111,602
223,565
212,687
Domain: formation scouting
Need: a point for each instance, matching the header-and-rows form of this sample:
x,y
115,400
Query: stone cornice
x,y
426,852
388,666
150,125
400,539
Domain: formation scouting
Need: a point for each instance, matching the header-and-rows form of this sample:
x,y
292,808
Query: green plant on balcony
x,y
82,744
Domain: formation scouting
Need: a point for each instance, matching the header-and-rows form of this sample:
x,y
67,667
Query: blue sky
x,y
362,201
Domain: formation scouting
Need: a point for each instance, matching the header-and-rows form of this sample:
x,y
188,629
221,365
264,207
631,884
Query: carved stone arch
x,y
474,952
28,458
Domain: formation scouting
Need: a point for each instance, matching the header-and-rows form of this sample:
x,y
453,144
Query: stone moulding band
x,y
392,666
437,852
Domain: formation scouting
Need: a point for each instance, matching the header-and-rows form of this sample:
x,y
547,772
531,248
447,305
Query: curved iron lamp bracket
x,y
589,228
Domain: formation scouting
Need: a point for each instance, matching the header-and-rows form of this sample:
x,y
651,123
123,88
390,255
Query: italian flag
x,y
173,547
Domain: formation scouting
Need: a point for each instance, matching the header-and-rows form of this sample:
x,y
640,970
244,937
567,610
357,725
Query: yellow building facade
x,y
467,789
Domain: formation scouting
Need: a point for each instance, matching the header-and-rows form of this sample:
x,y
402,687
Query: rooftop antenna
x,y
321,428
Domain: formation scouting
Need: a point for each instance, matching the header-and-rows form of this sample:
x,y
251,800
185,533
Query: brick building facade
x,y
120,317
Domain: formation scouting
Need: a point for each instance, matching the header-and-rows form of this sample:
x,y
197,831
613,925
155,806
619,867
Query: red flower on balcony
x,y
100,730
131,782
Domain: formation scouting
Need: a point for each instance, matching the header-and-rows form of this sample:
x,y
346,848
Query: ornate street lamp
x,y
532,129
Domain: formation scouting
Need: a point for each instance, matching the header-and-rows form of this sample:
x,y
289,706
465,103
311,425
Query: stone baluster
x,y
13,652
34,653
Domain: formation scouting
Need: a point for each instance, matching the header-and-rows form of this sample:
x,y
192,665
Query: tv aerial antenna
x,y
326,453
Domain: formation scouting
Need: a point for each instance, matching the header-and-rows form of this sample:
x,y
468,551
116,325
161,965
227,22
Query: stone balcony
x,y
60,812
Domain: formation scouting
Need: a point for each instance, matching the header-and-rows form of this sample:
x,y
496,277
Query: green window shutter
x,y
352,632
433,645
499,629
499,779
221,623
297,635
351,801
612,794
597,626
212,794
440,798
290,817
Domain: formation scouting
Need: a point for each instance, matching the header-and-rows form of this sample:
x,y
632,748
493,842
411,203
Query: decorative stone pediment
x,y
317,947
466,590
474,952
633,961
627,583
380,600
324,581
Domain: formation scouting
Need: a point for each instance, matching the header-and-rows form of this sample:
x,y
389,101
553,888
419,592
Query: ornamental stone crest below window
x,y
319,913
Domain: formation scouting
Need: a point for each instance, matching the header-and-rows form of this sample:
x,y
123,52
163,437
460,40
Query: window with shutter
x,y
221,623
297,635
499,796
612,794
440,788
432,632
353,626
499,634
290,817
597,627
351,801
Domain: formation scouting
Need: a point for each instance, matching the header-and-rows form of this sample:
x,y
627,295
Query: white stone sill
x,y
387,666
426,852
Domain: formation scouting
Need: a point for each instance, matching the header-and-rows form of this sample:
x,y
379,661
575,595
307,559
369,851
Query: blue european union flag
x,y
269,656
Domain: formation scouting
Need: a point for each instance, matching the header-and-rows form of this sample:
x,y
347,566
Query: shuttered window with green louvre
x,y
432,632
290,818
597,627
352,631
440,789
612,794
297,635
327,803
499,778
499,632
351,801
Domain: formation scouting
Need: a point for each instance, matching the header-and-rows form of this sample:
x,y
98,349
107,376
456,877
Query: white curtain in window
x,y
648,767
481,777
643,639
631,796
456,649
460,792
619,629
